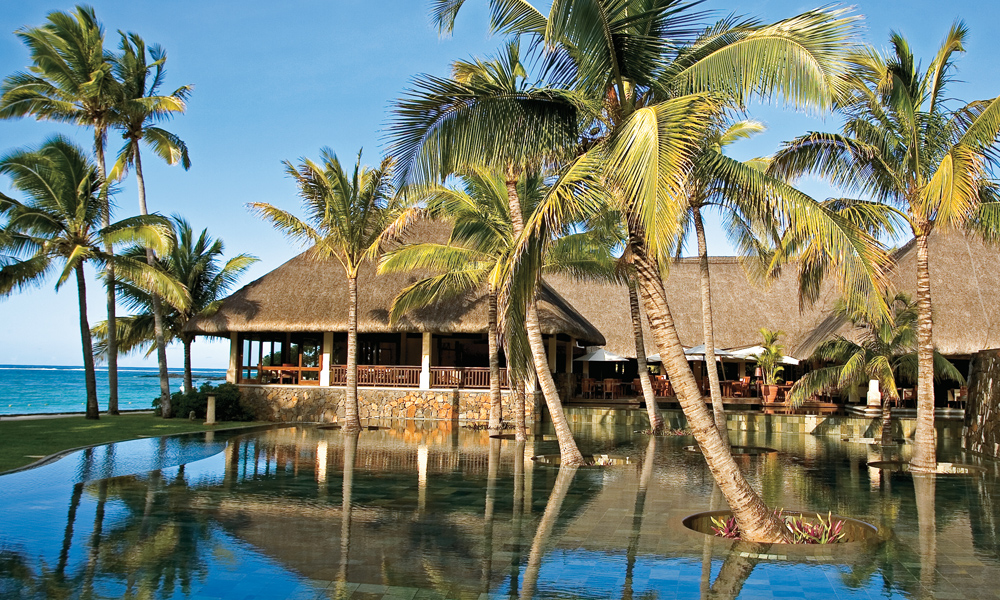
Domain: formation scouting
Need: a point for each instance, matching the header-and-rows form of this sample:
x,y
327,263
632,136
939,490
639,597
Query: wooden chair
x,y
637,386
741,388
611,388
587,387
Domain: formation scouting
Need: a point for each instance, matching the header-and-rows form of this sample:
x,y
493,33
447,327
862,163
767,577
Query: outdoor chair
x,y
637,386
611,388
587,387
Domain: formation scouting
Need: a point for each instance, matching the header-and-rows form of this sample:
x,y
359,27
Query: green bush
x,y
227,403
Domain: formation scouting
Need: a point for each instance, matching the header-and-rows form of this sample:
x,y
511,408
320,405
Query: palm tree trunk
x,y
569,454
110,282
655,418
188,379
90,377
709,330
924,458
161,347
519,389
757,523
351,420
494,348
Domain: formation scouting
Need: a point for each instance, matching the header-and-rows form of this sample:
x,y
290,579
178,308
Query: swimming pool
x,y
433,510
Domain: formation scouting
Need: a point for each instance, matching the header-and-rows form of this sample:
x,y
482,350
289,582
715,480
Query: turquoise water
x,y
430,510
51,389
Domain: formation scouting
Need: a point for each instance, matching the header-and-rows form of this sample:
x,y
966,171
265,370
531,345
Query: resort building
x,y
288,331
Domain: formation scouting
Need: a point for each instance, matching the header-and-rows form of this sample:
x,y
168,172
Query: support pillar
x,y
552,353
325,362
425,361
569,354
234,358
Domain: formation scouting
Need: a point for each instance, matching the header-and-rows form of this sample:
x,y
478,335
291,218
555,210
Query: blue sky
x,y
277,81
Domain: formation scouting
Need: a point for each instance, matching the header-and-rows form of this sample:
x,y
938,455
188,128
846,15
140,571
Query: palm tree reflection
x,y
544,531
637,514
350,454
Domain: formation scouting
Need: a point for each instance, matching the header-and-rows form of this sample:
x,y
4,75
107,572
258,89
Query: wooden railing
x,y
290,375
465,377
372,376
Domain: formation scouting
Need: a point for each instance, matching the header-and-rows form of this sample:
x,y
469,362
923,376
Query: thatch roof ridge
x,y
309,294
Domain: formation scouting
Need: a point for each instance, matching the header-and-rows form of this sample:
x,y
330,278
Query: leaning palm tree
x,y
142,106
654,104
881,349
904,146
351,217
488,114
195,263
60,223
71,80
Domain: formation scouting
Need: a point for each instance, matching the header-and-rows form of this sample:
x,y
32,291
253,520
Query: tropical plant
x,y
656,90
769,359
351,217
905,145
139,107
194,261
880,349
71,80
60,224
488,114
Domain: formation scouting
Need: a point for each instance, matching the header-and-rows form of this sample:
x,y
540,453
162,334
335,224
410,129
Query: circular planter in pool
x,y
504,436
740,451
593,460
859,535
898,466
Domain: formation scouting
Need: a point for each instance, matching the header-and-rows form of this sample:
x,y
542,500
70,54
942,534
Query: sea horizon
x,y
47,389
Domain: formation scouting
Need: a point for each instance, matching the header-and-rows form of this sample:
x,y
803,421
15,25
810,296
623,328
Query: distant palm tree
x,y
885,350
901,145
61,223
139,108
71,80
351,217
195,263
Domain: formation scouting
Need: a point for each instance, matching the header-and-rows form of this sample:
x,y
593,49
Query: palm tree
x,y
60,223
882,349
71,80
487,114
351,217
194,261
654,106
141,106
903,146
474,256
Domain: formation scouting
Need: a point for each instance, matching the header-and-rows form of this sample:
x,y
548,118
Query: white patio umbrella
x,y
601,355
748,353
694,353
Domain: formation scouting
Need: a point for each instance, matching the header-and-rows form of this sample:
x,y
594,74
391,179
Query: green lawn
x,y
23,442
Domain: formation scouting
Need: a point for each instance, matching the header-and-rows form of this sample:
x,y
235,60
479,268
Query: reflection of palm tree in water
x,y
736,569
637,514
492,469
517,517
925,489
350,452
706,554
544,531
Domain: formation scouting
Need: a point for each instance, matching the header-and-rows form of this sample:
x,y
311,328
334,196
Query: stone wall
x,y
325,404
982,407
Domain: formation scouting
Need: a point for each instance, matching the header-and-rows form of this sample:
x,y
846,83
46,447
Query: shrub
x,y
804,530
227,403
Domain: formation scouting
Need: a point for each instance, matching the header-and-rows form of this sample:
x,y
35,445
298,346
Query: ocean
x,y
51,389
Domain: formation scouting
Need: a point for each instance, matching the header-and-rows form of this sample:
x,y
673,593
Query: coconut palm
x,y
141,106
903,145
884,350
60,224
654,107
71,80
488,114
349,216
195,263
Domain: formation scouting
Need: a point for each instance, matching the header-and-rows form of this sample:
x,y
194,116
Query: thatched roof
x,y
964,276
310,295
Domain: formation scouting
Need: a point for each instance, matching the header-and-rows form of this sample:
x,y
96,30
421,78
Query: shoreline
x,y
29,416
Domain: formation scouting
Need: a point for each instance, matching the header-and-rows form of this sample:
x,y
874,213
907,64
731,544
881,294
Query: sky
x,y
277,81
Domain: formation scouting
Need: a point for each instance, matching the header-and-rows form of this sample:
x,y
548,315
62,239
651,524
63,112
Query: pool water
x,y
432,510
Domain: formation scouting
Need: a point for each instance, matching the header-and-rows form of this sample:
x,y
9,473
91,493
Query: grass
x,y
25,441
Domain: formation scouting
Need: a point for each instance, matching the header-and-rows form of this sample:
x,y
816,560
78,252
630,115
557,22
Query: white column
x,y
569,354
552,353
234,357
425,362
325,361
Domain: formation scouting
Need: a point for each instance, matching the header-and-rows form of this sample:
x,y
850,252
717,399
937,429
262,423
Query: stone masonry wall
x,y
982,408
325,404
